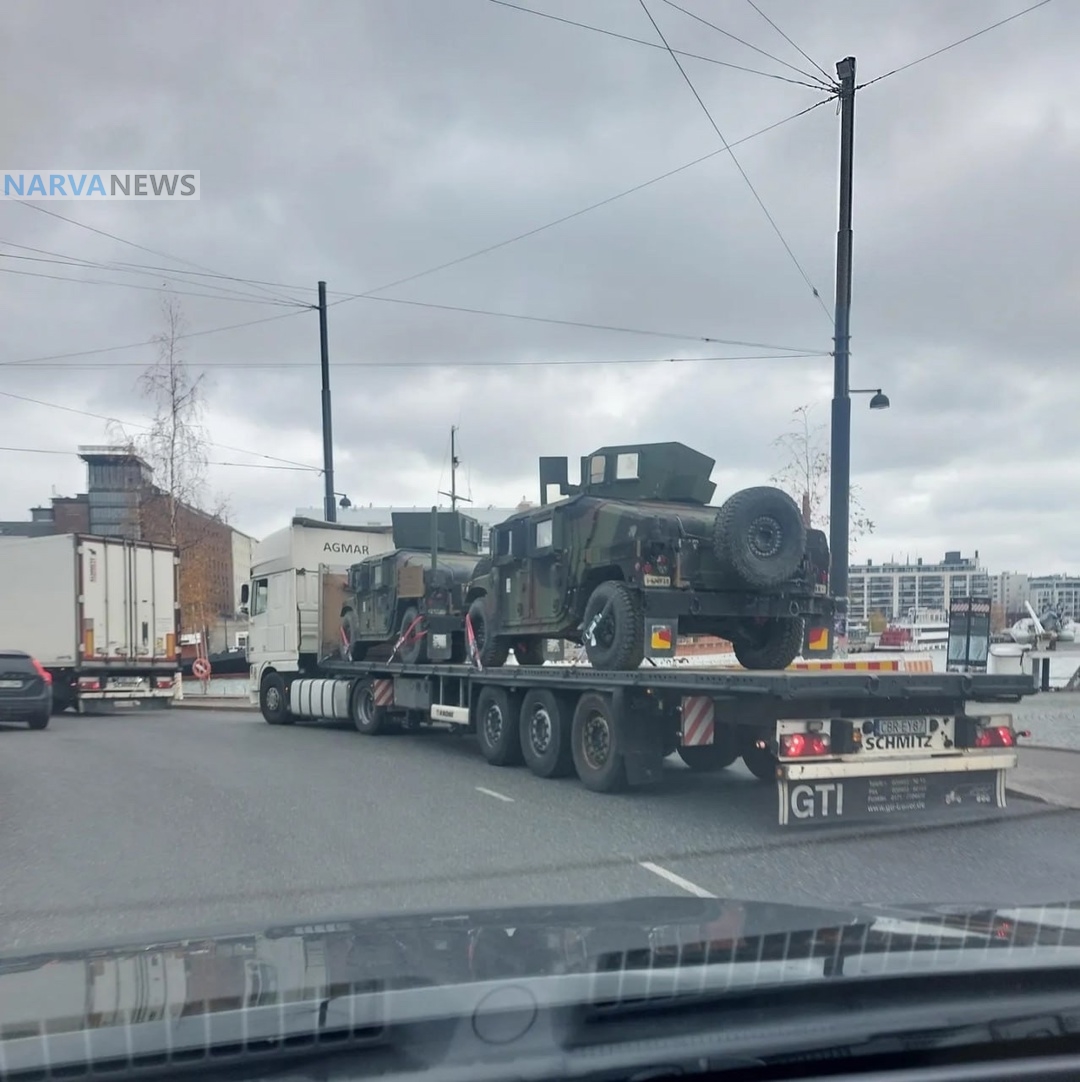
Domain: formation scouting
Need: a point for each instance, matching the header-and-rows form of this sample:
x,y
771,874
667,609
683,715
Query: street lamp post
x,y
840,450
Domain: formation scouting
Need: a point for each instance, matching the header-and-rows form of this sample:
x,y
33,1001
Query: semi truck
x,y
101,615
841,741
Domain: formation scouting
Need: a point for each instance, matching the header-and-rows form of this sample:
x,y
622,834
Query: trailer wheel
x,y
595,740
709,758
760,762
367,717
545,728
497,728
274,700
619,634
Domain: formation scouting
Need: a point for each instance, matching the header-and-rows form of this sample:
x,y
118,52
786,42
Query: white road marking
x,y
671,877
497,796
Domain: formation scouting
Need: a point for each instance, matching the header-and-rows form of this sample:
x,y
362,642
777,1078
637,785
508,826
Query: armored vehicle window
x,y
626,467
262,592
377,576
502,542
597,470
543,534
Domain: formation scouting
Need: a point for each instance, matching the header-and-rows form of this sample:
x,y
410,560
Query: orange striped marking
x,y
849,666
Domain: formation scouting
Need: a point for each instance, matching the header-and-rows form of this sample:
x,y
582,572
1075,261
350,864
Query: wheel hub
x,y
273,698
765,536
596,741
540,730
493,725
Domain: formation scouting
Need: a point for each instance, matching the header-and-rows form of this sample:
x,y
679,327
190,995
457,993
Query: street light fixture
x,y
344,501
880,401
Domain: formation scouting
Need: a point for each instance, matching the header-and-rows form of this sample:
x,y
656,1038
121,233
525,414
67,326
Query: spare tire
x,y
759,536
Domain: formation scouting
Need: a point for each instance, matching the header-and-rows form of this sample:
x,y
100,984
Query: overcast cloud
x,y
363,141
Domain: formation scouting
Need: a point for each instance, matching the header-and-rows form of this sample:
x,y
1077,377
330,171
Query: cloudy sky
x,y
368,141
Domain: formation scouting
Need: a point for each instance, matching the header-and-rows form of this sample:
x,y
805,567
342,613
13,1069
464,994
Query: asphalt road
x,y
165,822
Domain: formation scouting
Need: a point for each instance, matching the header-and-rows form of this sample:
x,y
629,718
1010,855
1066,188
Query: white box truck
x,y
101,614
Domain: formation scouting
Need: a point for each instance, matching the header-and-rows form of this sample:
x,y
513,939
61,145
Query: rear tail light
x,y
995,736
163,681
802,745
89,683
42,671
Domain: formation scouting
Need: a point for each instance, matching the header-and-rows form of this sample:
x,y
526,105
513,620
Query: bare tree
x,y
804,474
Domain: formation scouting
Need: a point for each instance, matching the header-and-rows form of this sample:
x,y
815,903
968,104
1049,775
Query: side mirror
x,y
244,594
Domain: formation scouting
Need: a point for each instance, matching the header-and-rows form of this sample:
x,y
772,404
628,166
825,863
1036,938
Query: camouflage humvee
x,y
636,555
417,591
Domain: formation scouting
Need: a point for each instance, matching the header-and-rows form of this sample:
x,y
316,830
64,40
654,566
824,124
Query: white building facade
x,y
893,588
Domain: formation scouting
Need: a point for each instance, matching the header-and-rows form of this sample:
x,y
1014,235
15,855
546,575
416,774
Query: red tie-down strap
x,y
470,644
410,634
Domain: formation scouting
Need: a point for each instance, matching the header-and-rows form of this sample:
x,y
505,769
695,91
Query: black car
x,y
25,689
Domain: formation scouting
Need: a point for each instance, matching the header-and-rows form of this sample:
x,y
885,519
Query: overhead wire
x,y
143,270
954,44
149,341
258,366
826,85
145,427
135,285
809,59
131,243
210,462
738,165
563,219
652,44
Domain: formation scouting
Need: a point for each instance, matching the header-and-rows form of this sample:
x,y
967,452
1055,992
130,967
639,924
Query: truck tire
x,y
413,652
493,650
367,718
274,700
595,740
38,721
709,758
759,536
760,762
529,651
498,727
545,732
772,644
620,634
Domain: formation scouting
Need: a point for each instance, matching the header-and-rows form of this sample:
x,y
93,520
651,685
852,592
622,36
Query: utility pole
x,y
840,453
330,511
454,463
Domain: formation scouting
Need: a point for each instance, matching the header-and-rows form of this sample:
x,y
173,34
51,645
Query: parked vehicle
x,y
25,689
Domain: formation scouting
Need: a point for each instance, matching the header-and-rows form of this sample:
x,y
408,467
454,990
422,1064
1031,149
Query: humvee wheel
x,y
759,535
414,650
351,650
768,644
614,622
493,650
529,651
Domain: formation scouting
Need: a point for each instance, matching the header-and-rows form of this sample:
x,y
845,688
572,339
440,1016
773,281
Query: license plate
x,y
901,726
656,580
126,682
11,683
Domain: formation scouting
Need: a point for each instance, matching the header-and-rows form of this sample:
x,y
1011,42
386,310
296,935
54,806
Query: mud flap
x,y
641,736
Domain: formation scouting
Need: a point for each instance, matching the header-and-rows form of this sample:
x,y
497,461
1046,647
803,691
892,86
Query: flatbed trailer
x,y
840,746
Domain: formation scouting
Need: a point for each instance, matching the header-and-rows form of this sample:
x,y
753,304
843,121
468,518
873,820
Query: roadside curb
x,y
1040,797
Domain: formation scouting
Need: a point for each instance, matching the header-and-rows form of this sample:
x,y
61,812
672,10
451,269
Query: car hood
x,y
180,989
